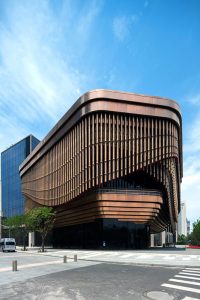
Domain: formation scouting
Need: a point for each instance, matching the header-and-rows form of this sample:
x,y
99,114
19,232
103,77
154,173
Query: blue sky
x,y
53,51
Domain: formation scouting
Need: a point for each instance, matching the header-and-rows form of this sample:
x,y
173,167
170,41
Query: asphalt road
x,y
99,281
100,275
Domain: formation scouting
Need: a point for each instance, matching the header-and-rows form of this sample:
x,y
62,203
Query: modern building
x,y
111,168
11,194
188,226
182,221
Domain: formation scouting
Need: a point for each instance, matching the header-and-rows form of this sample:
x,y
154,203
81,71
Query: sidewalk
x,y
31,265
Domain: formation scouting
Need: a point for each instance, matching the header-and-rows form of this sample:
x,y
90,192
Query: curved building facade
x,y
111,168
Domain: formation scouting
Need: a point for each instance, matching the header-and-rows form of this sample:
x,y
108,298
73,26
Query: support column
x,y
31,239
152,240
163,238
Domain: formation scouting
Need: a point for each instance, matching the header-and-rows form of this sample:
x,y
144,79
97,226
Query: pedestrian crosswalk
x,y
133,257
188,281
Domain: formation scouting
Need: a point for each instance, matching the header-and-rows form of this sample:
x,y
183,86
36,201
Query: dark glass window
x,y
10,243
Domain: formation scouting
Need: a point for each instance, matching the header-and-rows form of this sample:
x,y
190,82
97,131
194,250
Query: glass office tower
x,y
11,158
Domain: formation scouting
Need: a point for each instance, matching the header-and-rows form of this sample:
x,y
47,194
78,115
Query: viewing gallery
x,y
111,168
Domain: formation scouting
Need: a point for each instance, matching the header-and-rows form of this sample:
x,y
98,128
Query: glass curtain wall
x,y
12,197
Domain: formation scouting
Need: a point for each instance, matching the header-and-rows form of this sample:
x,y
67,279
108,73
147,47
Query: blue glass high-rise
x,y
11,158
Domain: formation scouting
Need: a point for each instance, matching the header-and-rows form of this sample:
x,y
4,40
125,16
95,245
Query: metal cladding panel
x,y
106,138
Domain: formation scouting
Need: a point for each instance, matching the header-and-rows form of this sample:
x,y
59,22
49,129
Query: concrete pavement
x,y
30,265
101,274
104,281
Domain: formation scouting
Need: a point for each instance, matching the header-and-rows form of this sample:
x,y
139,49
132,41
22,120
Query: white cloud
x,y
32,67
85,21
190,195
8,130
122,26
194,99
191,174
192,136
38,77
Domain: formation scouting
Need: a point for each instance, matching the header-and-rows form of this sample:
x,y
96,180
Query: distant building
x,y
0,207
182,223
12,199
188,226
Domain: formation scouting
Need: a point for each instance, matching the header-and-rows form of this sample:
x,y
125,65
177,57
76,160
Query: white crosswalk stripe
x,y
187,280
91,255
126,255
187,277
189,298
191,271
144,256
183,288
187,273
169,257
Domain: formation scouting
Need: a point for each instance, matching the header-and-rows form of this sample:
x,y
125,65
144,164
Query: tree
x,y
195,236
182,239
41,219
11,224
20,224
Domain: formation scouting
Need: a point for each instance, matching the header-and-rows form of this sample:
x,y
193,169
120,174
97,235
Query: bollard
x,y
65,259
14,265
75,257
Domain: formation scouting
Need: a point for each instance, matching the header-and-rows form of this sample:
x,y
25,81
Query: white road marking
x,y
194,269
169,257
191,271
114,254
185,281
126,255
144,256
187,277
186,273
92,255
180,287
189,298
